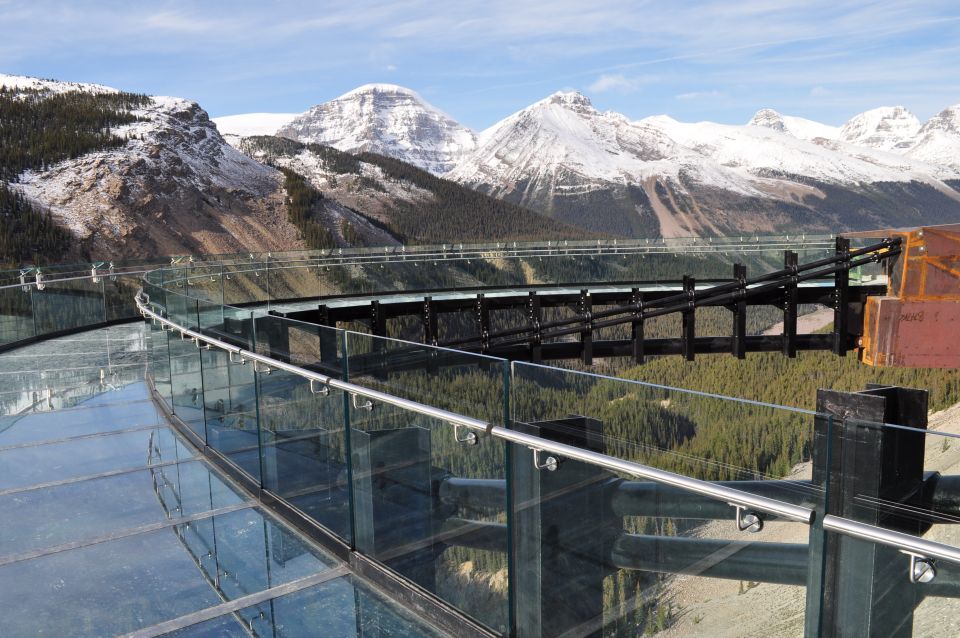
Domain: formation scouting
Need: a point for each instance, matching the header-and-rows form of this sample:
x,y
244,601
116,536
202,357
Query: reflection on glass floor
x,y
111,524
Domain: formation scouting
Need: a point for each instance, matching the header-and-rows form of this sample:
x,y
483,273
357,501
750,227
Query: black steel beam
x,y
790,307
822,295
783,563
644,498
636,326
739,346
841,302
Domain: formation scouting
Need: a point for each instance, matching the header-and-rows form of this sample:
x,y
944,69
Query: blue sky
x,y
481,61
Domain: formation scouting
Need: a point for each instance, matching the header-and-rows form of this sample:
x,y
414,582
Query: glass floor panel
x,y
110,523
27,466
340,608
37,427
123,585
95,508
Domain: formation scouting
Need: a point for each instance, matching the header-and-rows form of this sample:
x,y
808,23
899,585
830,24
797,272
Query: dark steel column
x,y
872,474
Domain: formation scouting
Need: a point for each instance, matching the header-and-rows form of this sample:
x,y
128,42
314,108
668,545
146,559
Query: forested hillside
x,y
38,129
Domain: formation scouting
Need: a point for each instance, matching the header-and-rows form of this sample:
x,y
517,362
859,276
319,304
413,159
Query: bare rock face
x,y
175,187
385,119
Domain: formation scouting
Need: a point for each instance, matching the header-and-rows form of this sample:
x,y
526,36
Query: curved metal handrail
x,y
743,501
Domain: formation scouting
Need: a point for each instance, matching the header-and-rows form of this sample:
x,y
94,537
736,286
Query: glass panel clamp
x,y
748,520
922,569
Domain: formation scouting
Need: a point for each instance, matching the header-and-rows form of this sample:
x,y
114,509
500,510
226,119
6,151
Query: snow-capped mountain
x,y
173,186
657,175
938,141
887,128
385,119
797,127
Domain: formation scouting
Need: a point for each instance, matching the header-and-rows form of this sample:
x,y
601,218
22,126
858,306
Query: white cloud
x,y
820,91
613,82
701,95
391,67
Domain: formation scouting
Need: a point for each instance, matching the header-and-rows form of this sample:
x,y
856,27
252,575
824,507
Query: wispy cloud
x,y
700,95
180,23
619,83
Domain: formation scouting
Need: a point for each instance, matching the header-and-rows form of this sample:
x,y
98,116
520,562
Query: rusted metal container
x,y
917,324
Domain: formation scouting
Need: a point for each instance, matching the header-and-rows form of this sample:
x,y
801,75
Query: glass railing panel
x,y
203,282
245,283
292,279
16,314
429,498
696,434
186,377
431,508
646,557
600,552
67,305
344,607
229,387
159,352
469,384
119,292
302,427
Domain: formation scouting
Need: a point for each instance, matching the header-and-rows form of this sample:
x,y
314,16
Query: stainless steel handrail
x,y
904,542
735,498
103,275
413,258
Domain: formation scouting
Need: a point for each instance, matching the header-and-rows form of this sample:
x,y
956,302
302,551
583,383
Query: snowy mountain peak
x,y
797,127
389,89
947,120
886,128
386,119
768,118
573,99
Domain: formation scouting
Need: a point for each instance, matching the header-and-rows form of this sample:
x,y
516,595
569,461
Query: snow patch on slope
x,y
235,127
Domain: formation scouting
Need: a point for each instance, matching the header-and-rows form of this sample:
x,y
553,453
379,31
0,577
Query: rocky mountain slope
x,y
385,119
170,184
388,200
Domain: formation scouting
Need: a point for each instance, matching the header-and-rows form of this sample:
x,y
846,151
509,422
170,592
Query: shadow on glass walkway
x,y
111,524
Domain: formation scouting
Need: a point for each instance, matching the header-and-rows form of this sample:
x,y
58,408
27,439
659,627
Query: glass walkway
x,y
111,524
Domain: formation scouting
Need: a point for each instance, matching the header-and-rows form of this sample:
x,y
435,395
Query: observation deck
x,y
286,447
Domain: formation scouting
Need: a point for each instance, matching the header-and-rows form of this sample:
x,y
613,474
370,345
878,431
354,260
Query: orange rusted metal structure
x,y
917,323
